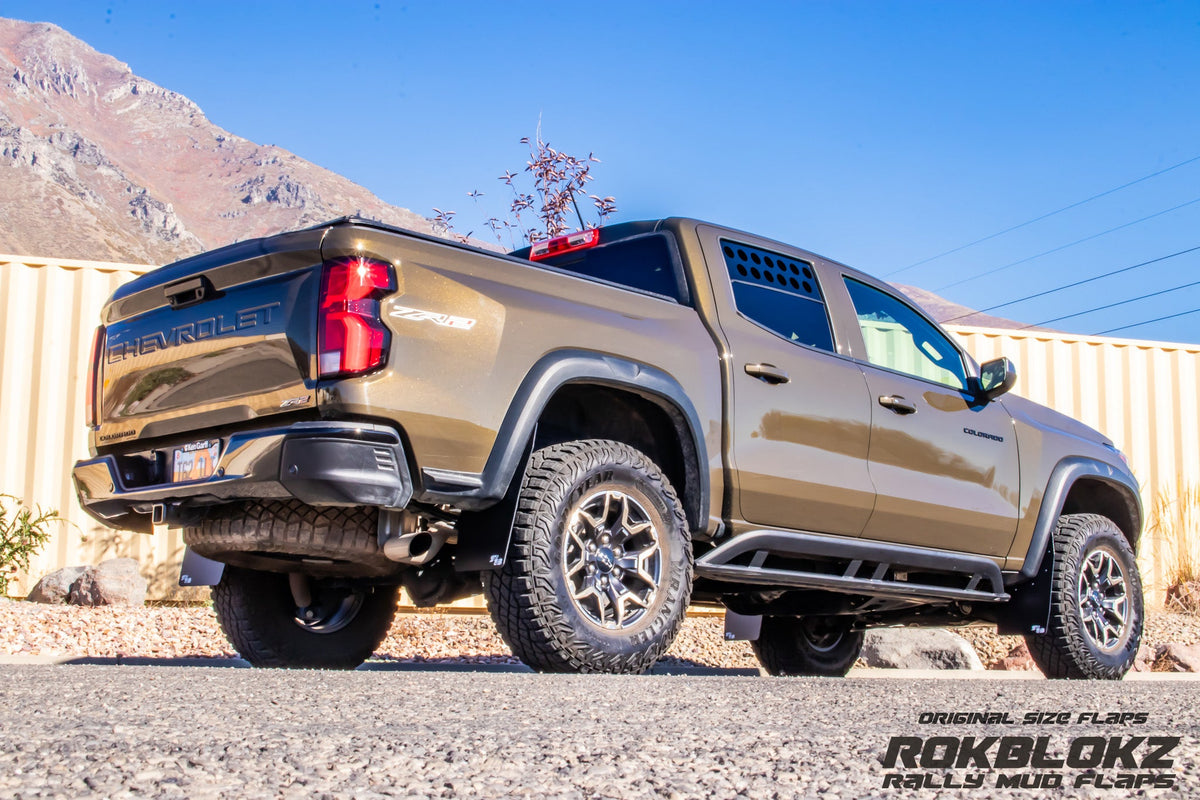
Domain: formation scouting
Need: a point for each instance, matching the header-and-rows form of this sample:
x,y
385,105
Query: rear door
x,y
943,464
799,414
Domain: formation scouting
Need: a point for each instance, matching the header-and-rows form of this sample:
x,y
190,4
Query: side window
x,y
778,292
901,339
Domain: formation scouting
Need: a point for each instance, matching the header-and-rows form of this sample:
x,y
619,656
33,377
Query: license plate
x,y
195,461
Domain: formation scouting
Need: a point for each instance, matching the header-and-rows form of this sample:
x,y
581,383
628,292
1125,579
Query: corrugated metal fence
x,y
1144,395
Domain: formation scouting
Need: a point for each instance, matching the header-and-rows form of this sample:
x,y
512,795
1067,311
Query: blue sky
x,y
876,133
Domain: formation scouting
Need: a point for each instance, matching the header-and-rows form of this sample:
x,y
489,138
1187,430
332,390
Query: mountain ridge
x,y
99,164
106,165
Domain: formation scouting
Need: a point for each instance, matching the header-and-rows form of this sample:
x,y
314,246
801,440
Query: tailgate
x,y
225,337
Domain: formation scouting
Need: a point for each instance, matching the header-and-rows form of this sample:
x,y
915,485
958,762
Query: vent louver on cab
x,y
770,269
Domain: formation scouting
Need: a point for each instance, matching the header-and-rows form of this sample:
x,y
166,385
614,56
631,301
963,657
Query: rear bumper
x,y
319,463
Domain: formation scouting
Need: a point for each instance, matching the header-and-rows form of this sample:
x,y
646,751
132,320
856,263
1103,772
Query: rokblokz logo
x,y
1101,759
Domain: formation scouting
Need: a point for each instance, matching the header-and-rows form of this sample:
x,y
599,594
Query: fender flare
x,y
562,367
1065,474
491,521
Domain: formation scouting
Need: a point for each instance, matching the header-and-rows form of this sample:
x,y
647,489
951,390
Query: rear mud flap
x,y
484,536
199,571
742,627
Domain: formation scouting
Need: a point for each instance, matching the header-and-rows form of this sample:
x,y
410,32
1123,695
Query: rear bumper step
x,y
322,464
851,566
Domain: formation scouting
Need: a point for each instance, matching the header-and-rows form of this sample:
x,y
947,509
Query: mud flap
x,y
199,571
484,536
1028,610
742,627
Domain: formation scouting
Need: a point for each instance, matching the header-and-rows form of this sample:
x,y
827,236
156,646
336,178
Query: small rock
x,y
1018,658
906,648
115,582
1175,657
54,587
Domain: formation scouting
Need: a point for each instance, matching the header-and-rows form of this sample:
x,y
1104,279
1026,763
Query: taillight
x,y
93,372
351,337
565,244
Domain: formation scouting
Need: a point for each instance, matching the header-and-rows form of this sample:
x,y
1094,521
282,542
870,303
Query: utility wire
x,y
994,270
1044,216
1113,305
1147,322
1072,285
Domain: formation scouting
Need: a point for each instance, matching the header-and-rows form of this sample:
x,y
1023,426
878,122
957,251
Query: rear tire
x,y
1096,606
599,573
339,630
826,646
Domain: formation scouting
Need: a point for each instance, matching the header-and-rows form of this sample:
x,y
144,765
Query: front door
x,y
944,465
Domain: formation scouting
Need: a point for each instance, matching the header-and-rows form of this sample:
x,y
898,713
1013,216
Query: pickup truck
x,y
597,432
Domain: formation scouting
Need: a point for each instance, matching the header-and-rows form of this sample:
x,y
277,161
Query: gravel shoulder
x,y
33,629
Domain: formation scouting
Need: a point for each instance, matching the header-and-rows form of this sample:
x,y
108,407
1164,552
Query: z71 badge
x,y
446,320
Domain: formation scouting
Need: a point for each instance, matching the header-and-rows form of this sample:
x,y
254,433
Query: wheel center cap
x,y
605,559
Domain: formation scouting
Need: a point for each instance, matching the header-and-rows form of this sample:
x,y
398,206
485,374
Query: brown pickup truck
x,y
596,432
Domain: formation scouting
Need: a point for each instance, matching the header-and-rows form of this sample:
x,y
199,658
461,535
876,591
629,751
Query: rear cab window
x,y
646,262
779,293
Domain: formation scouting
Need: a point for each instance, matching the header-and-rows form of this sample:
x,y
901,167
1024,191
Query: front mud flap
x,y
199,571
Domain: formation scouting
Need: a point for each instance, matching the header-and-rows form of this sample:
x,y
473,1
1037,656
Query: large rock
x,y
115,582
54,587
1175,657
1144,661
909,648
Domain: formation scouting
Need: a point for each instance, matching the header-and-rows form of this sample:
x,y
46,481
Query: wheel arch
x,y
573,394
1085,485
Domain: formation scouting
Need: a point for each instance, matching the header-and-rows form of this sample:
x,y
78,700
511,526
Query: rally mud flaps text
x,y
1110,761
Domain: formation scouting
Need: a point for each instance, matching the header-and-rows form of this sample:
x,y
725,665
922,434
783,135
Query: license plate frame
x,y
195,461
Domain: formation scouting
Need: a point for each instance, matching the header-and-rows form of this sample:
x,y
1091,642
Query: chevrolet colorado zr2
x,y
597,432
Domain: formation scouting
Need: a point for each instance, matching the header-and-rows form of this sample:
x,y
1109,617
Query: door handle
x,y
767,372
897,403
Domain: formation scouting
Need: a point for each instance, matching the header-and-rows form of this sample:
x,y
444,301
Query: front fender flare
x,y
1065,474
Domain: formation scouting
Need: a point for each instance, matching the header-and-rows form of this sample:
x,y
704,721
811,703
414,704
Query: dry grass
x,y
1175,525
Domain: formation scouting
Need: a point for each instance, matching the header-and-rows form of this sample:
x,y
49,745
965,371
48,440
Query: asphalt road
x,y
170,731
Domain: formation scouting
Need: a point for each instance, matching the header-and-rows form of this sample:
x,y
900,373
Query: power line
x,y
1073,285
1065,246
1114,305
1044,216
1147,322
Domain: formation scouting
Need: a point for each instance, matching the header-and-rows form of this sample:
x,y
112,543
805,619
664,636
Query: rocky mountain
x,y
97,163
951,313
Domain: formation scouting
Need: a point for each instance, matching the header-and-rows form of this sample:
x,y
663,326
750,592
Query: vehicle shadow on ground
x,y
673,667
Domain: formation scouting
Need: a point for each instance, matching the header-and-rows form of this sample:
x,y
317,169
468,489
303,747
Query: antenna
x,y
581,225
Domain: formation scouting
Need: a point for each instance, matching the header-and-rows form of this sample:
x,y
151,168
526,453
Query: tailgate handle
x,y
189,292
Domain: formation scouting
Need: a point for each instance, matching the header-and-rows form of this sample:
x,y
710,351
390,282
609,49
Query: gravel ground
x,y
177,632
163,732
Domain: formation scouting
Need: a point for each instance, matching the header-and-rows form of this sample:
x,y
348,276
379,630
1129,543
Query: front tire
x,y
340,629
826,646
1096,606
599,573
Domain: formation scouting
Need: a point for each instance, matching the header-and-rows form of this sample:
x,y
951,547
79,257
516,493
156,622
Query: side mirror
x,y
996,377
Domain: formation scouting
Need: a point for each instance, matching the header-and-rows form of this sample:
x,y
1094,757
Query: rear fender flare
x,y
505,465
